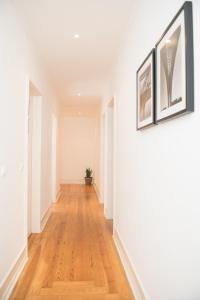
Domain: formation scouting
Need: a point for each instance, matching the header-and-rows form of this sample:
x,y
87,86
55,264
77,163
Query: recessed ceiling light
x,y
79,94
76,36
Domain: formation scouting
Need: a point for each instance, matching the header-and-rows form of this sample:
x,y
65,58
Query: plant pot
x,y
88,180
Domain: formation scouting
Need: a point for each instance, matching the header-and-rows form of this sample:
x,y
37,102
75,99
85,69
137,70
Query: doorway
x,y
54,159
34,159
108,160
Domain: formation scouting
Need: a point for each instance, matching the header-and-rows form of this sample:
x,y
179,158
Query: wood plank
x,y
74,258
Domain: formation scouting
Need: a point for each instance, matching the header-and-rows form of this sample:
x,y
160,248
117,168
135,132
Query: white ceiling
x,y
76,65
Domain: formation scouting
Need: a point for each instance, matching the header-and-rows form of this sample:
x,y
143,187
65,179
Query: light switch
x,y
21,167
2,171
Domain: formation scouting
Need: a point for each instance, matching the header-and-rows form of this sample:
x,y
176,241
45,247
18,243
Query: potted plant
x,y
88,176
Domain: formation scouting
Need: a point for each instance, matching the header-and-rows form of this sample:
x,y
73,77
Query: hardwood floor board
x,y
76,297
73,284
74,258
82,290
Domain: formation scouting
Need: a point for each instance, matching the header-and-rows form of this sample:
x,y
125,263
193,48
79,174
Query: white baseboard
x,y
13,275
58,195
131,274
45,218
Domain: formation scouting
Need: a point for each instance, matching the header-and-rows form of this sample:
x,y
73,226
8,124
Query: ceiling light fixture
x,y
76,36
79,94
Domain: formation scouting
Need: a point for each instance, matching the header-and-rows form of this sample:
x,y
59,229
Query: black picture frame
x,y
151,120
188,104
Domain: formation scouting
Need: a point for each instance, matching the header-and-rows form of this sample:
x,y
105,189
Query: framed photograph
x,y
174,67
146,92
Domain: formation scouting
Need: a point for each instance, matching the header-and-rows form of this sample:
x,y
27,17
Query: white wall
x,y
17,64
157,209
79,145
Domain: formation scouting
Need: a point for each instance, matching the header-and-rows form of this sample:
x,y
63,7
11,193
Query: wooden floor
x,y
74,258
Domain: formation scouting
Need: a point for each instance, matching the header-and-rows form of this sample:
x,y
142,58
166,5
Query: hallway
x,y
74,258
107,93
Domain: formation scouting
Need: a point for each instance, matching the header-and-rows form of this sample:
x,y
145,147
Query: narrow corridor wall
x,y
18,64
157,207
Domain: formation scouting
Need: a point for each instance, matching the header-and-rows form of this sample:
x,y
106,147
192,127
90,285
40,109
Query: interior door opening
x,y
54,158
34,159
109,154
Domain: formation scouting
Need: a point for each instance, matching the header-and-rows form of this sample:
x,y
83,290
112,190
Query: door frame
x,y
54,159
109,208
35,96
